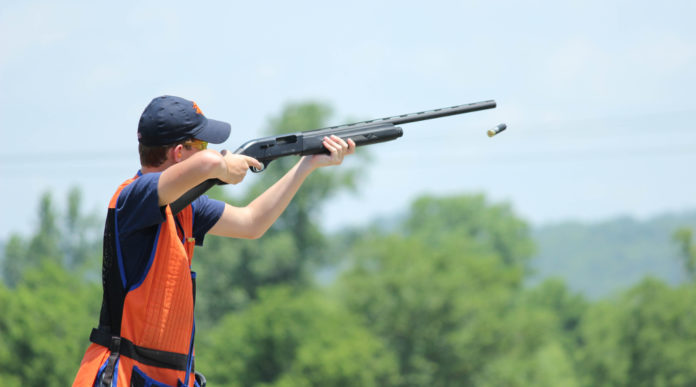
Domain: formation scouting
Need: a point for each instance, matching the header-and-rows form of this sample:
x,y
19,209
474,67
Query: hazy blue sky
x,y
598,95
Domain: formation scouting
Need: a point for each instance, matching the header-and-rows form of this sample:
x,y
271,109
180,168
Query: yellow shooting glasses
x,y
196,143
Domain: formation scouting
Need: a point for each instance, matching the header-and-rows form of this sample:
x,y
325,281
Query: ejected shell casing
x,y
496,130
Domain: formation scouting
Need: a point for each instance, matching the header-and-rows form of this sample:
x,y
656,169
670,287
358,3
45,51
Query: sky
x,y
597,96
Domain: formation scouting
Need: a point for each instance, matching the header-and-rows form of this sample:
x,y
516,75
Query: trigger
x,y
256,170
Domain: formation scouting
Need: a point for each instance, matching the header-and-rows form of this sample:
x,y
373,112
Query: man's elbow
x,y
253,232
256,234
251,236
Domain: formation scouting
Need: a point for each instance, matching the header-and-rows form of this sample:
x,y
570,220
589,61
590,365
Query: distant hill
x,y
598,259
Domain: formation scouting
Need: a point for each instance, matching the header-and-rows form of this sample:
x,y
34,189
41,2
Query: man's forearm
x,y
181,177
265,209
256,218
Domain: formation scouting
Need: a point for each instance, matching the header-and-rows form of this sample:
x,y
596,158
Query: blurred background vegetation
x,y
453,291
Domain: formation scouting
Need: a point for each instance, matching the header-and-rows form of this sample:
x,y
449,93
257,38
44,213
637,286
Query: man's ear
x,y
176,153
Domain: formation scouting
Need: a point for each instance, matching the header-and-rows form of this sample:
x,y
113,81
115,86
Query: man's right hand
x,y
237,166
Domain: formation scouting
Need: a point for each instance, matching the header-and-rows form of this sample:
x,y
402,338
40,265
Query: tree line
x,y
438,298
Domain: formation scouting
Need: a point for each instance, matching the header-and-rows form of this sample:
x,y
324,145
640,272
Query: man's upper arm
x,y
235,222
137,206
207,212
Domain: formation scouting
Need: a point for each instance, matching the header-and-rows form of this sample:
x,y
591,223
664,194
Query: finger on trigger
x,y
252,162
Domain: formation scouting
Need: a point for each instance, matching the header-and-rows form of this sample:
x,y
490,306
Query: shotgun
x,y
267,149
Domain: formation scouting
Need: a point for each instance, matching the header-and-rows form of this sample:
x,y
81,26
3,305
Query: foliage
x,y
49,301
684,237
45,323
540,336
493,227
70,239
295,338
647,337
442,292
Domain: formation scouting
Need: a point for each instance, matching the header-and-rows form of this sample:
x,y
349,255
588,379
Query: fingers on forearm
x,y
340,141
330,145
340,144
351,146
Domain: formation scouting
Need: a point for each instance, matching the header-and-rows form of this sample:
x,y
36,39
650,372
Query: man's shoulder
x,y
137,204
139,185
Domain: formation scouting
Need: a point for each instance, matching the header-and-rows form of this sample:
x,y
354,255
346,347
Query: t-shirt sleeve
x,y
206,212
137,206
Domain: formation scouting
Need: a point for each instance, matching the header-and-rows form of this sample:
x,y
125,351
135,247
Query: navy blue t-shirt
x,y
138,215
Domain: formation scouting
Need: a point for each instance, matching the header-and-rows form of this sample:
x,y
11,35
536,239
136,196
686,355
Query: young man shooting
x,y
146,325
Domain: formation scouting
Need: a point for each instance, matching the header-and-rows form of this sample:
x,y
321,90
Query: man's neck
x,y
149,169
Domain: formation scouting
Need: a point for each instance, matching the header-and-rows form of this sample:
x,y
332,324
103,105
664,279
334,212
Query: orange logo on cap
x,y
198,110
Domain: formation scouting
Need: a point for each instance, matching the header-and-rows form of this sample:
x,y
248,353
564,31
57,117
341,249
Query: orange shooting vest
x,y
145,334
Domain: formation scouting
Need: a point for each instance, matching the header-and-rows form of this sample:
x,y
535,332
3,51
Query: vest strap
x,y
147,356
107,376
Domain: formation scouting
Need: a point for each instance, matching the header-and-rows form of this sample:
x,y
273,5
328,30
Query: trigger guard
x,y
256,170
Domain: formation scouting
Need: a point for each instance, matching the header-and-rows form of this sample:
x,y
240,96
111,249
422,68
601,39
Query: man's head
x,y
169,121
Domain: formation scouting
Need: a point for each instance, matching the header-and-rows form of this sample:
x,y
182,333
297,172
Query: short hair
x,y
156,155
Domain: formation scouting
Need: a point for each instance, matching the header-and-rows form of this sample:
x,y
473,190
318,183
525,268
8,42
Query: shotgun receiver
x,y
267,149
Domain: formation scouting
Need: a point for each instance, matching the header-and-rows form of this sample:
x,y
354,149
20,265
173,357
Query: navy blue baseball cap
x,y
168,120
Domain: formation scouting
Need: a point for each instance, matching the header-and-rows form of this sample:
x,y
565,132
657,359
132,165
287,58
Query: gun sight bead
x,y
496,130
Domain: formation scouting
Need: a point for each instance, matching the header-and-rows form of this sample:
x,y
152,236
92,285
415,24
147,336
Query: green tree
x,y
530,354
43,246
44,326
538,338
294,338
14,260
647,337
685,240
493,226
568,308
603,357
81,236
49,302
440,288
70,239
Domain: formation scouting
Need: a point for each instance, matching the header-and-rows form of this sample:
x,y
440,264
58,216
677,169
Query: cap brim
x,y
214,132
